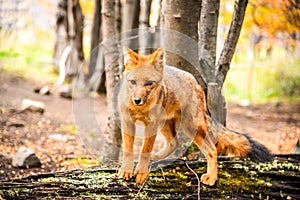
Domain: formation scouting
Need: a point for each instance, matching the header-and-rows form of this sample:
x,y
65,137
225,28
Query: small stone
x,y
45,90
26,158
58,137
65,91
34,106
16,124
6,156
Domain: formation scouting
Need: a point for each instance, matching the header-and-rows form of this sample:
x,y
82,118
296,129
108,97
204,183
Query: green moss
x,y
236,181
15,193
239,180
278,166
166,182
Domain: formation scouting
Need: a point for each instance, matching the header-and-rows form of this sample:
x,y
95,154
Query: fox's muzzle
x,y
140,96
137,101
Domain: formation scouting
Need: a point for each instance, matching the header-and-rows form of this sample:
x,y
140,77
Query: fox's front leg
x,y
128,133
142,169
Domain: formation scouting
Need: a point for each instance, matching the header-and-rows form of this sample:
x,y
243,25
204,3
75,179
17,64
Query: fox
x,y
164,98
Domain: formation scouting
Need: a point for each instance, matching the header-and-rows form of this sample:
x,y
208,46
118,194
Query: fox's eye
x,y
149,83
133,82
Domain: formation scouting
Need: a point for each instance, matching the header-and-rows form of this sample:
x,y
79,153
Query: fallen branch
x,y
169,179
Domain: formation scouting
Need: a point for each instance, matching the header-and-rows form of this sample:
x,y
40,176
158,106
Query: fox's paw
x,y
141,178
125,174
208,179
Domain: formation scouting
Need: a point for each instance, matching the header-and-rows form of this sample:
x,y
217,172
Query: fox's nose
x,y
137,101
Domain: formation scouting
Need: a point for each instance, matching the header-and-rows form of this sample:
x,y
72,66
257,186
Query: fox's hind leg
x,y
169,133
212,167
199,133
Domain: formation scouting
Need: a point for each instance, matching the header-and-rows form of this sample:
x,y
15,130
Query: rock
x,y
17,124
25,158
6,156
58,137
45,90
34,106
65,91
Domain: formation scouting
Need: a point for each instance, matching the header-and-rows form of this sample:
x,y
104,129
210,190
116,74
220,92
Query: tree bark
x,y
113,141
231,40
213,74
75,29
208,38
130,21
95,37
97,77
69,32
61,31
118,14
181,16
144,24
207,57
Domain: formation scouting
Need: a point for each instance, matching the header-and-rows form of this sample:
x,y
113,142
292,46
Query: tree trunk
x,y
69,33
208,38
208,26
95,37
214,75
61,31
101,87
144,25
97,77
179,31
113,141
76,24
96,65
231,40
181,16
130,20
118,13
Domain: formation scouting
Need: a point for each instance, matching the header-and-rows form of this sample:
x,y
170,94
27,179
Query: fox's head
x,y
143,75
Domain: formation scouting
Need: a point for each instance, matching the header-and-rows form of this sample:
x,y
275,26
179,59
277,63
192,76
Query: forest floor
x,y
55,139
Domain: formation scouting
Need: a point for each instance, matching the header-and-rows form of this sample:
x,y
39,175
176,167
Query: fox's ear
x,y
130,58
157,59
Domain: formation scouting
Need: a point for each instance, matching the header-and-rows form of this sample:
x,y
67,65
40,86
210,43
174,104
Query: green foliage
x,y
267,70
288,79
28,57
266,78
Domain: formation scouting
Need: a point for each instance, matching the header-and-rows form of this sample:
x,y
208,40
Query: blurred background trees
x,y
266,58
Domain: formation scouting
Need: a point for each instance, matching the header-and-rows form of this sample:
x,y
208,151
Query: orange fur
x,y
162,97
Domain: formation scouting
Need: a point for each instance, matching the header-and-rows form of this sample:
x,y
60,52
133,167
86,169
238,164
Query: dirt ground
x,y
60,146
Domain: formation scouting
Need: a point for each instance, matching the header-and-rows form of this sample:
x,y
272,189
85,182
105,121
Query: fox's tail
x,y
241,145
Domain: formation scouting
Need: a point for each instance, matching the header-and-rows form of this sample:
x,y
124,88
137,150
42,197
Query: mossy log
x,y
238,178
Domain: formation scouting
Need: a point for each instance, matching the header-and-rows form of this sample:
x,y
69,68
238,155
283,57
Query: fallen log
x,y
169,179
